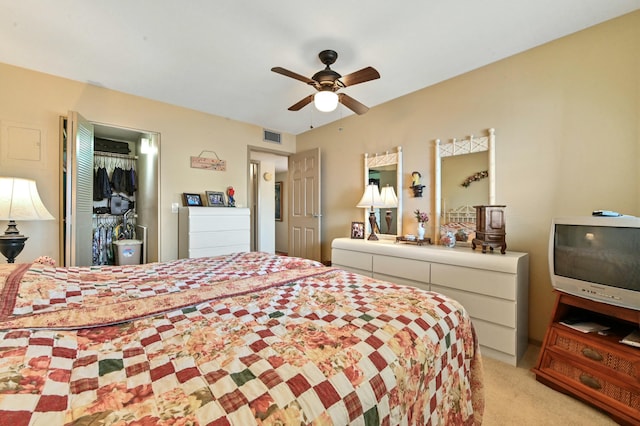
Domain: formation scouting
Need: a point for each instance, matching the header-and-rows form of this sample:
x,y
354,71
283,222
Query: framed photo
x,y
357,230
215,199
278,205
191,200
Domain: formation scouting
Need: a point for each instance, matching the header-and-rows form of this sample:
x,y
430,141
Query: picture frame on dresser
x,y
191,199
215,199
357,230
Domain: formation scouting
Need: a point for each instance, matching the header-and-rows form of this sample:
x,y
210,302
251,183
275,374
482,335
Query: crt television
x,y
597,258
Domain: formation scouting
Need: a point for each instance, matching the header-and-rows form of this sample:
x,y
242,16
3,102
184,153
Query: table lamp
x,y
370,200
390,202
19,200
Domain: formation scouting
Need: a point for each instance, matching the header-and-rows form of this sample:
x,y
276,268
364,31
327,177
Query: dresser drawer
x,y
588,351
491,283
218,251
490,237
589,381
218,223
351,259
203,240
490,309
402,281
496,337
415,270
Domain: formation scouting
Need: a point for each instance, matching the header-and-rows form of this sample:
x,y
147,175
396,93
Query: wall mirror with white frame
x,y
464,176
385,170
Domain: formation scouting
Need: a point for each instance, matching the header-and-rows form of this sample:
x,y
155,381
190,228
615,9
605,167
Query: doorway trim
x,y
257,198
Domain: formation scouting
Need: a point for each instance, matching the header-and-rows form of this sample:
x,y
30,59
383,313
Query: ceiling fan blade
x,y
301,104
352,104
365,74
292,74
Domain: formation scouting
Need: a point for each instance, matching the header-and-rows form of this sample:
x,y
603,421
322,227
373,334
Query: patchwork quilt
x,y
242,339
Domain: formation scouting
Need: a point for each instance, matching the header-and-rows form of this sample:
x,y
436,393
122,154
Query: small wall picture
x,y
357,230
191,200
278,201
215,199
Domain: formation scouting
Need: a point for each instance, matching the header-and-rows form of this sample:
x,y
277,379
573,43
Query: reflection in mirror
x,y
464,177
464,181
386,171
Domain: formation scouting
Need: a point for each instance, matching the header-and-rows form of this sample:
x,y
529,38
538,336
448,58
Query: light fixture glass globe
x,y
326,101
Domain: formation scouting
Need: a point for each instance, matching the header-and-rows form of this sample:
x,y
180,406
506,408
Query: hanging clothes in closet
x,y
101,184
124,181
114,187
123,176
103,253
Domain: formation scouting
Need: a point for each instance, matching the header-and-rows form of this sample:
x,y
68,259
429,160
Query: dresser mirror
x,y
385,170
464,176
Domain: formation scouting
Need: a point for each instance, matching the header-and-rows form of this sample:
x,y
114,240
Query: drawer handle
x,y
592,354
590,381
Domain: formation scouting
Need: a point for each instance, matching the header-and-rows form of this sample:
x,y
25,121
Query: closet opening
x,y
110,199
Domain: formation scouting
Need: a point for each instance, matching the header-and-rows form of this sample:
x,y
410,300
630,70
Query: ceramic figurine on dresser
x,y
448,239
422,218
490,229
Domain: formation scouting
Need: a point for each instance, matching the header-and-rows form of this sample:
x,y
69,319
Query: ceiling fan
x,y
327,82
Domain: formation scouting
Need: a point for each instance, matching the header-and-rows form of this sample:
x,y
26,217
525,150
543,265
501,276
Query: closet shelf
x,y
114,155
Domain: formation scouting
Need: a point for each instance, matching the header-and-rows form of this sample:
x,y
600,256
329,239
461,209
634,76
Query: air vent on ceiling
x,y
270,136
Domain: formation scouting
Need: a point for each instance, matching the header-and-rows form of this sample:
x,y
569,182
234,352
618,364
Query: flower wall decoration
x,y
475,177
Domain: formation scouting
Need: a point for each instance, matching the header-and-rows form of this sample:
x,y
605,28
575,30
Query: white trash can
x,y
128,252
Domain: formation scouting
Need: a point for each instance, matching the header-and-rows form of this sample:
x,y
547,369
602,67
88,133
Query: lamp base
x,y
373,223
389,218
11,246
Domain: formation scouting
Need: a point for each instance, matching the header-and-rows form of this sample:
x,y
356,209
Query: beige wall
x,y
35,101
567,120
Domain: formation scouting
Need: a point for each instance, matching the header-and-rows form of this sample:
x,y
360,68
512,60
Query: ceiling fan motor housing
x,y
327,77
328,57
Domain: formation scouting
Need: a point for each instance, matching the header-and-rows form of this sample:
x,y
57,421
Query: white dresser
x,y
493,287
213,231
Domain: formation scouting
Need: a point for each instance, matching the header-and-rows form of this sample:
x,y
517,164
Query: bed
x,y
241,339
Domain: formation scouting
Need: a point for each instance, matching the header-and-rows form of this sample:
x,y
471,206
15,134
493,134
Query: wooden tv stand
x,y
595,368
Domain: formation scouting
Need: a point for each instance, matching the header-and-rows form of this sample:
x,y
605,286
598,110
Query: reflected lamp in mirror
x,y
19,200
371,199
390,201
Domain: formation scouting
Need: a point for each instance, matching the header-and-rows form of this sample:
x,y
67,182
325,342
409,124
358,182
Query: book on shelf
x,y
632,339
584,326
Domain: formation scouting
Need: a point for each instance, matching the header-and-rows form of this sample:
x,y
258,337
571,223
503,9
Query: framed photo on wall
x,y
191,200
215,199
278,204
357,230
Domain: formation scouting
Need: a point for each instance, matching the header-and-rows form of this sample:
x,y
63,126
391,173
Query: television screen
x,y
606,255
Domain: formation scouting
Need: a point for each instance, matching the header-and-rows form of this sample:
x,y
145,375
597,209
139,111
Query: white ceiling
x,y
216,56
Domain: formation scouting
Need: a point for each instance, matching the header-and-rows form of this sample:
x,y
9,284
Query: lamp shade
x,y
326,101
19,200
389,197
371,197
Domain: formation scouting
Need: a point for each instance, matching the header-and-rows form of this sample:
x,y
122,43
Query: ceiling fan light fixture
x,y
326,101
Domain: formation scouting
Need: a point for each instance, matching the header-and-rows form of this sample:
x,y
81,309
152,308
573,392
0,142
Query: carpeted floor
x,y
514,397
